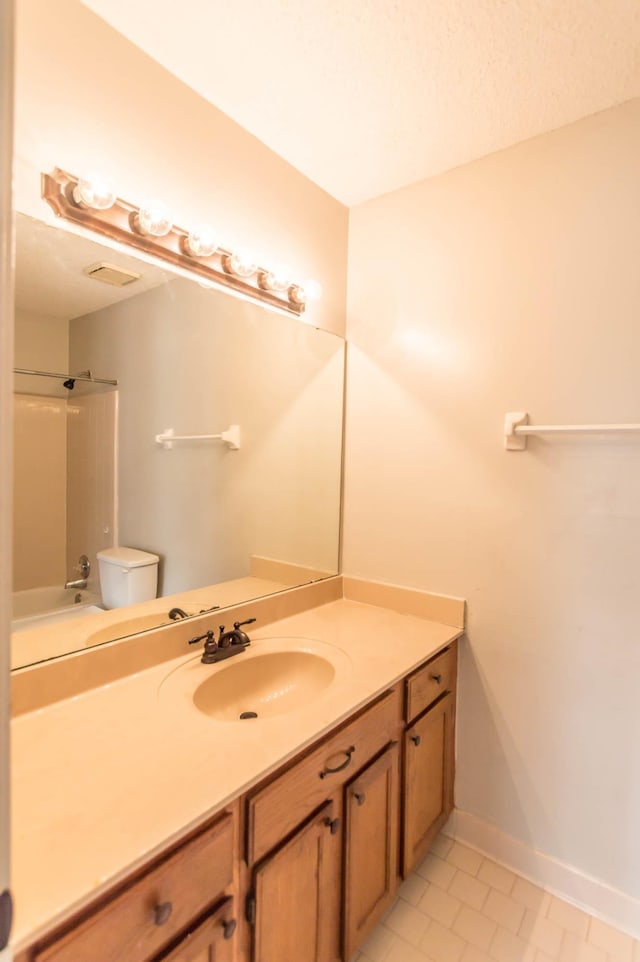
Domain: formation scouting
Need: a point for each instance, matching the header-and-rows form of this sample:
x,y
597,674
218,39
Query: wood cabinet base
x,y
303,866
371,847
428,779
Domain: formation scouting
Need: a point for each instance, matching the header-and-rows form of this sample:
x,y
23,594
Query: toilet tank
x,y
127,576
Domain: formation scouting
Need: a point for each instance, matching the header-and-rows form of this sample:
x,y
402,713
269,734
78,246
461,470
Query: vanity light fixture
x,y
201,242
91,203
306,292
93,192
153,219
278,279
241,262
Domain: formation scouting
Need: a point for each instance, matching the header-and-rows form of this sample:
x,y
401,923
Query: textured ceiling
x,y
364,96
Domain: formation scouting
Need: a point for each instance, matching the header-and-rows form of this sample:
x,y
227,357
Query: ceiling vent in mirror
x,y
110,274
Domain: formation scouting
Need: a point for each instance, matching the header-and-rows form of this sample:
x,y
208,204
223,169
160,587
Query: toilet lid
x,y
127,557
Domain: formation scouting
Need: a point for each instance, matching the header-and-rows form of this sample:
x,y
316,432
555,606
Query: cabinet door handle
x,y
162,912
416,739
360,797
229,928
437,679
332,771
333,824
250,908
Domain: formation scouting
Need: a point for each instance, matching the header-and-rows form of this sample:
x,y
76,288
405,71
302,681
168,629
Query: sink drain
x,y
249,714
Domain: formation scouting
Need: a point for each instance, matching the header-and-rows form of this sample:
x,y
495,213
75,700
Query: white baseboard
x,y
566,882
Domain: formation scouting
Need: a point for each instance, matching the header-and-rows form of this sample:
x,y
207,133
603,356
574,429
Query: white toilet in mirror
x,y
127,576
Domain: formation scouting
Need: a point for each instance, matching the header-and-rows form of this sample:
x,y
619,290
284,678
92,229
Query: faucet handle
x,y
208,637
239,624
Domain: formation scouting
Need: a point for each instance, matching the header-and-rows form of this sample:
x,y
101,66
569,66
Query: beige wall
x,y
513,284
41,344
87,99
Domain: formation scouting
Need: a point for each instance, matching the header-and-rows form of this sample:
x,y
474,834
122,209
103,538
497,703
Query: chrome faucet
x,y
84,568
228,644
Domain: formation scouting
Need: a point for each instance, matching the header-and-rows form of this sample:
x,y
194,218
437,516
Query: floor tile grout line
x,y
550,892
484,901
531,914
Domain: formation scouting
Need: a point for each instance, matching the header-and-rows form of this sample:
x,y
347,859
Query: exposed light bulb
x,y
310,290
95,191
242,263
154,217
201,242
278,279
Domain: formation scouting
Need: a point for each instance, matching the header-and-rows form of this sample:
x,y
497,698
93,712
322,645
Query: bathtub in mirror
x,y
228,525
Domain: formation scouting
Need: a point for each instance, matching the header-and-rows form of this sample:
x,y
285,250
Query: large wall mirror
x,y
119,350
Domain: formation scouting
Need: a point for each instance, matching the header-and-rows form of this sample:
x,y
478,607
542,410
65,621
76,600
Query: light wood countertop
x,y
106,779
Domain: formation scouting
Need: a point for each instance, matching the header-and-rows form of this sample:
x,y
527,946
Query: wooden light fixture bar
x,y
117,222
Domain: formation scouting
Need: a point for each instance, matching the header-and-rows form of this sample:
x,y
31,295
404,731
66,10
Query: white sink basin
x,y
272,677
269,684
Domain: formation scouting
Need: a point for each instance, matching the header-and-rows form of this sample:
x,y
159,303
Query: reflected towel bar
x,y
66,377
230,437
517,429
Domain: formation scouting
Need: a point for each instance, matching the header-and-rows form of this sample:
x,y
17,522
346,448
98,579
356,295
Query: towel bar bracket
x,y
513,441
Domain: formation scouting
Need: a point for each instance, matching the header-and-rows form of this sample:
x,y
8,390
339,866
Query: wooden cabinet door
x,y
371,847
429,758
294,904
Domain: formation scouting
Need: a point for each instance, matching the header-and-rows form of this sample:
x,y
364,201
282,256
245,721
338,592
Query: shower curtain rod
x,y
66,377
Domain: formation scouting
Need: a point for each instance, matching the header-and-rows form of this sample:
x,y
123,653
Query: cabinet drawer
x,y
275,810
431,681
210,940
143,918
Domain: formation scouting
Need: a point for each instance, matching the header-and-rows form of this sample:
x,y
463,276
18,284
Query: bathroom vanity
x,y
314,815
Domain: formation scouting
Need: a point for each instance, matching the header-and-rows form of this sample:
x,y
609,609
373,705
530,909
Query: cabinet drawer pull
x,y
332,771
229,928
333,824
416,739
437,679
360,797
162,912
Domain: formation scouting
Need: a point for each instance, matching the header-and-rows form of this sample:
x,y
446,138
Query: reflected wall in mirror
x,y
226,525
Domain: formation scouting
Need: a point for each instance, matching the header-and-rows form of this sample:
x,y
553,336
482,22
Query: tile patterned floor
x,y
459,906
